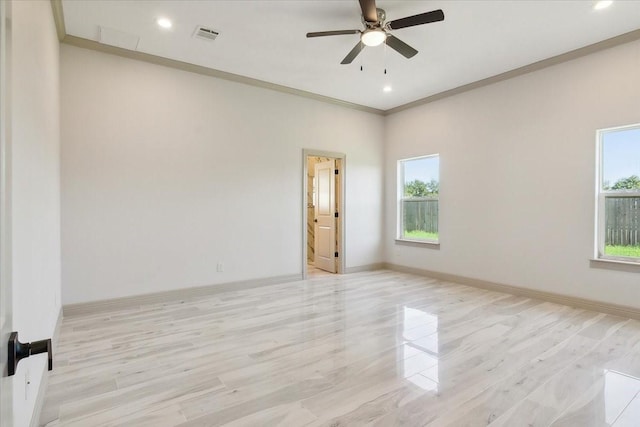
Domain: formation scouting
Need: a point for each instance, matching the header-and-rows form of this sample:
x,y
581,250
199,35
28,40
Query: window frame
x,y
602,195
400,238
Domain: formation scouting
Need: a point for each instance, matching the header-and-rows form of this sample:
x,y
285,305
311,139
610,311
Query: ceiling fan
x,y
377,30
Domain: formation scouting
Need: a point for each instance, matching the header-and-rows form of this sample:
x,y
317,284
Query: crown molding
x,y
58,15
58,18
554,60
211,72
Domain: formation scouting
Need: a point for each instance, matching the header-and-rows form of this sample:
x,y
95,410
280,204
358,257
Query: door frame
x,y
340,190
6,312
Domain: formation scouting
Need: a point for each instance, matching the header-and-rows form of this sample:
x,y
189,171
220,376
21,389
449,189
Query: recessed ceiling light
x,y
386,89
602,4
164,22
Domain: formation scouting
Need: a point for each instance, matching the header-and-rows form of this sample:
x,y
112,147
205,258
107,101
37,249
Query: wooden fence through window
x,y
622,221
622,218
420,214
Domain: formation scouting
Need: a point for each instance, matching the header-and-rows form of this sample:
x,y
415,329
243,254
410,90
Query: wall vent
x,y
205,33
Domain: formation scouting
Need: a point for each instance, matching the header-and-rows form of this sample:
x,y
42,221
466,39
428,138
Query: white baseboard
x,y
367,267
602,307
173,295
167,296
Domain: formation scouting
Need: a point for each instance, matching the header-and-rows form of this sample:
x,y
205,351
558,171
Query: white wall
x,y
35,190
165,173
518,176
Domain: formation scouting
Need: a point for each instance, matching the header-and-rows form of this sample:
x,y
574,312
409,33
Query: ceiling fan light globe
x,y
373,37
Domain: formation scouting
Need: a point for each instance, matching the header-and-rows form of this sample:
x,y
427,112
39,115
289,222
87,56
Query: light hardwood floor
x,y
377,348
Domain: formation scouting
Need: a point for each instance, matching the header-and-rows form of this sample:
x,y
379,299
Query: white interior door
x,y
6,395
325,221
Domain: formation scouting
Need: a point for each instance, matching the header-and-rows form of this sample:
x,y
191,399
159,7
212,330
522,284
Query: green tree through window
x,y
630,183
417,188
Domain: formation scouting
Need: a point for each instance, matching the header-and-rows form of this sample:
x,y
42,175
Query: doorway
x,y
323,213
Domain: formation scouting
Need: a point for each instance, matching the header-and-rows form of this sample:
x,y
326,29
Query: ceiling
x,y
266,40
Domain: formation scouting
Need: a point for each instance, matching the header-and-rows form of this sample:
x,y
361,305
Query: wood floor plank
x,y
373,348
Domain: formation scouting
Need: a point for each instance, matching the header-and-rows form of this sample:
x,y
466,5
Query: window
x,y
419,180
618,211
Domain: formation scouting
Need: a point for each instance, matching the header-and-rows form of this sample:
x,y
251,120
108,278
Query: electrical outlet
x,y
219,268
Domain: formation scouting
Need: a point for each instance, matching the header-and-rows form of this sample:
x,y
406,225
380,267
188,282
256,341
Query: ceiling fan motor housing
x,y
382,15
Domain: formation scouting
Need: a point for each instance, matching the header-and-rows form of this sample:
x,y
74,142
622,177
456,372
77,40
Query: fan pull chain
x,y
384,56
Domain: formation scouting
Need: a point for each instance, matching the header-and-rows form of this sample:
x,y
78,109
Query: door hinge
x,y
336,254
336,214
337,172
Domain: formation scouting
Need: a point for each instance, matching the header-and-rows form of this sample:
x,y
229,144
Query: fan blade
x,y
369,10
352,55
401,47
423,18
333,33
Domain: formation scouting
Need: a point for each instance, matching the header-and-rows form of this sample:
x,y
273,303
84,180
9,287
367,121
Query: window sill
x,y
614,264
418,243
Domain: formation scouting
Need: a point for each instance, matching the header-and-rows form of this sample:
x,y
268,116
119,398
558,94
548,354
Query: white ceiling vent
x,y
205,33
